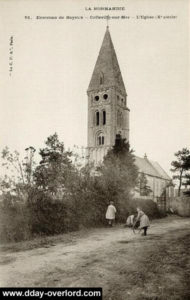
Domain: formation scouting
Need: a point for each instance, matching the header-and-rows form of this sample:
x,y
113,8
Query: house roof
x,y
107,66
151,168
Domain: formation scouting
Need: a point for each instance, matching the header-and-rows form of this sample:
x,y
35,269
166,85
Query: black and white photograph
x,y
95,149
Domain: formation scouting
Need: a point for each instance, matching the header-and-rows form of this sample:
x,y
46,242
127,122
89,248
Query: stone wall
x,y
179,205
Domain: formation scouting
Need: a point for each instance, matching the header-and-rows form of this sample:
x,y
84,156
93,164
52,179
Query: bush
x,y
41,216
149,207
46,216
49,216
14,223
81,197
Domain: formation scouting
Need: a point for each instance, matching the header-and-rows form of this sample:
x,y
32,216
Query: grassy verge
x,y
47,241
159,269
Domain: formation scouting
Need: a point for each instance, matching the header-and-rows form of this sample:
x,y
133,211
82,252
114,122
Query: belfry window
x,y
97,118
104,117
100,139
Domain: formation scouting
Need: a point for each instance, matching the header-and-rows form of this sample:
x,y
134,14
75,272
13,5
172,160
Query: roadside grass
x,y
128,266
39,242
50,241
70,237
160,270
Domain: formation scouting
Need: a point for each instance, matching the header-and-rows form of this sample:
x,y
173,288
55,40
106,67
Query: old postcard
x,y
82,81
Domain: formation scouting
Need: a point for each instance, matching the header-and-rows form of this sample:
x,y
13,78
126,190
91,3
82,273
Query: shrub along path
x,y
126,265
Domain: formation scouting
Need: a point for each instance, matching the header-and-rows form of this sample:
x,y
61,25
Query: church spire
x,y
107,72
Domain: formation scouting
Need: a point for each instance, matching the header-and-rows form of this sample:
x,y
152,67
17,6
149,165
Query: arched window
x,y
104,117
97,118
100,139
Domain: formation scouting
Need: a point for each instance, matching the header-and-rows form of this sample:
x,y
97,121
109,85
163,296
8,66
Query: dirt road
x,y
126,265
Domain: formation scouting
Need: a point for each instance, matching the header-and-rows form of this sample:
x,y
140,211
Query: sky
x,y
53,61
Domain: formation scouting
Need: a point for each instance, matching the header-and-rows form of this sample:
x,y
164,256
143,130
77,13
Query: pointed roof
x,y
107,67
145,166
151,168
160,170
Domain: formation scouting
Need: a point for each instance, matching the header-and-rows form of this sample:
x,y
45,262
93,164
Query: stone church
x,y
108,117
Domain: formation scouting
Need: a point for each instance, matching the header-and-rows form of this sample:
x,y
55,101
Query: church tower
x,y
108,115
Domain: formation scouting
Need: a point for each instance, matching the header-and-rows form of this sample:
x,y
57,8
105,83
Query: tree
x,y
55,168
145,190
18,176
29,164
119,175
181,166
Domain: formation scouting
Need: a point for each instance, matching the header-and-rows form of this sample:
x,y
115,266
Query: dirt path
x,y
101,258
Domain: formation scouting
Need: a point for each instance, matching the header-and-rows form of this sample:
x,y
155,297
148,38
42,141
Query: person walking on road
x,y
110,214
